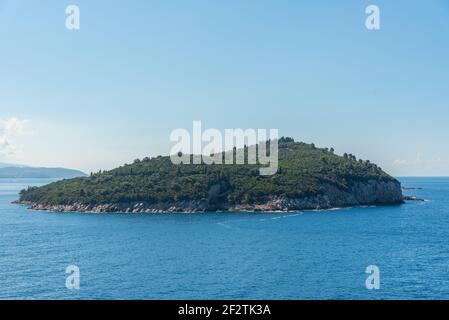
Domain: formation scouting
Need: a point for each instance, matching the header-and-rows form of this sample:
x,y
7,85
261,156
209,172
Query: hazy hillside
x,y
5,165
30,172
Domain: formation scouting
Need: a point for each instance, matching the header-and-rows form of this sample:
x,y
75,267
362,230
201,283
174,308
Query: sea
x,y
378,252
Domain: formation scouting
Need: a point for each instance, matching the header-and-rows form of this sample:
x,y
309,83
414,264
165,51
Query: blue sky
x,y
114,90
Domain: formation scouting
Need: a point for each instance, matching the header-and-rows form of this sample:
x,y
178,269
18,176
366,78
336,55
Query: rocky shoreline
x,y
413,198
371,192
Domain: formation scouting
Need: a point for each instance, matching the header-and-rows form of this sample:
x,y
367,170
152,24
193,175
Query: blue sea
x,y
298,255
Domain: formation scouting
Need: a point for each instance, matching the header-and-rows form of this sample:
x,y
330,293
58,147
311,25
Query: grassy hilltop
x,y
303,171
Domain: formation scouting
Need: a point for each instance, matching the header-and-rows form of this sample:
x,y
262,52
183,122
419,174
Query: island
x,y
308,178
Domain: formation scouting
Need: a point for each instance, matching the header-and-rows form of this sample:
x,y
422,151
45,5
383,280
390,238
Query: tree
x,y
286,140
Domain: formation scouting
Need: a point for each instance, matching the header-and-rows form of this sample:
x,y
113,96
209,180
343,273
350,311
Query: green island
x,y
308,178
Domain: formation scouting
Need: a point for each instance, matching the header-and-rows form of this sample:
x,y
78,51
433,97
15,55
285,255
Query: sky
x,y
114,90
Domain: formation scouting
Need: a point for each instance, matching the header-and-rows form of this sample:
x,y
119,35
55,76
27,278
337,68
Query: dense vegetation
x,y
303,169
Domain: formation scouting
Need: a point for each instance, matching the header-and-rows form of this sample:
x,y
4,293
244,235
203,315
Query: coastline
x,y
173,210
361,194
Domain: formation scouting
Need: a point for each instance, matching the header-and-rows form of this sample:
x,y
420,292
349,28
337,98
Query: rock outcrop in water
x,y
308,178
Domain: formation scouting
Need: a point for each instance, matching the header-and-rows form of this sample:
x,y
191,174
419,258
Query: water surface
x,y
301,255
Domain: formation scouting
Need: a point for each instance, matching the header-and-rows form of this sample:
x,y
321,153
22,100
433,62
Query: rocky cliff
x,y
361,194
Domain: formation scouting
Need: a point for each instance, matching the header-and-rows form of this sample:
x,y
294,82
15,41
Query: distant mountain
x,y
5,165
15,171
